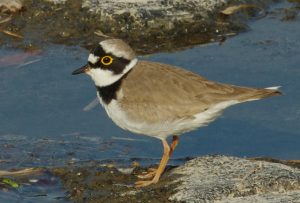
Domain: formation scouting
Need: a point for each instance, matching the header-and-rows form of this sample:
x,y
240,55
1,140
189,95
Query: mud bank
x,y
204,179
149,26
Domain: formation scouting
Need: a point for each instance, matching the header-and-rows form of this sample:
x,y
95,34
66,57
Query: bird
x,y
156,99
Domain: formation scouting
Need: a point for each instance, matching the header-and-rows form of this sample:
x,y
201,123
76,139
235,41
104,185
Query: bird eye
x,y
106,60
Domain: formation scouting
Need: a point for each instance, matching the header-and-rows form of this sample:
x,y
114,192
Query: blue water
x,y
43,122
42,103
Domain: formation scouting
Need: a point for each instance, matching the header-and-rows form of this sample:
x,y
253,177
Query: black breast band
x,y
109,92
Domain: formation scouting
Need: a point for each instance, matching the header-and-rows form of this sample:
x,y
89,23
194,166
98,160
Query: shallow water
x,y
43,122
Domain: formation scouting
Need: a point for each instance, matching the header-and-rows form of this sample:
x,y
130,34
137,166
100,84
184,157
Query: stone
x,y
10,5
57,1
149,9
231,179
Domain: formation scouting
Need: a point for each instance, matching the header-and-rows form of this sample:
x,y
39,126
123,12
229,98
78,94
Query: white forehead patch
x,y
93,59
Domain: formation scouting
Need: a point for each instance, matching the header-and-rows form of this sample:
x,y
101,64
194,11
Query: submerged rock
x,y
232,179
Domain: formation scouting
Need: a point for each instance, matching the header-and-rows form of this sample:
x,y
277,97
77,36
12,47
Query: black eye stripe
x,y
95,65
117,66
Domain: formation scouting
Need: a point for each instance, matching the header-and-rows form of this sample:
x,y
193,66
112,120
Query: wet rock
x,y
231,179
147,25
57,1
109,184
204,179
10,5
149,9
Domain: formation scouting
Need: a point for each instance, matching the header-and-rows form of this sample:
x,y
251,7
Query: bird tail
x,y
261,94
272,91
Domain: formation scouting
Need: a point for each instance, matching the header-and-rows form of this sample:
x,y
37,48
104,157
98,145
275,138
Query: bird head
x,y
108,62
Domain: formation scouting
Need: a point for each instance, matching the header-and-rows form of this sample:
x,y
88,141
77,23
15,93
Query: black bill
x,y
83,69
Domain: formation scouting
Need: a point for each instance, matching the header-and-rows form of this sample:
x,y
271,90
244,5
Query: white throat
x,y
104,78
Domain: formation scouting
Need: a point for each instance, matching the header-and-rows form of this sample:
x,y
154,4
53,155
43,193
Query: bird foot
x,y
151,173
145,183
147,175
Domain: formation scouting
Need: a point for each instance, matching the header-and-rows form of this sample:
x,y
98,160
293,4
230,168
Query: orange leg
x,y
165,158
174,143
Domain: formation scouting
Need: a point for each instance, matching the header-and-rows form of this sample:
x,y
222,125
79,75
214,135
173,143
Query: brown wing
x,y
163,92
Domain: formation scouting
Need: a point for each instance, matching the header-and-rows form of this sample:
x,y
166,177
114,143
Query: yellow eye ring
x,y
106,60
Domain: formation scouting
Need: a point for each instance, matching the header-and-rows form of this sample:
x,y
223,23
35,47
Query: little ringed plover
x,y
156,99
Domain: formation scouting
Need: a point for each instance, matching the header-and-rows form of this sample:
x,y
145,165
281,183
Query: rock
x,y
218,179
57,1
10,6
231,179
147,25
141,9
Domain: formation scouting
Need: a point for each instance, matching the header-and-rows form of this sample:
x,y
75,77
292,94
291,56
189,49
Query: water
x,y
43,122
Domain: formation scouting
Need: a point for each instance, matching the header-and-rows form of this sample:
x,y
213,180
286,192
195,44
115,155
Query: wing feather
x,y
160,92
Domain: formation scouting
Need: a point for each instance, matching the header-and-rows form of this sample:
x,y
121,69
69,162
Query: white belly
x,y
163,129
